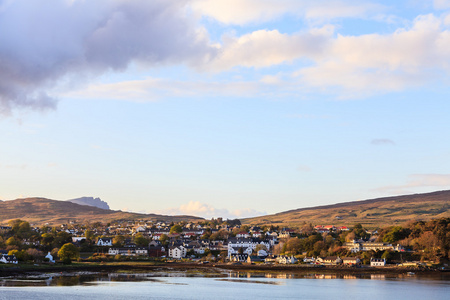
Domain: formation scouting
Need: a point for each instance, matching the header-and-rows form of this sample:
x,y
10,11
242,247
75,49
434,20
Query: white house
x,y
356,246
8,259
377,262
309,260
141,251
50,257
177,252
283,259
105,242
351,261
76,239
247,243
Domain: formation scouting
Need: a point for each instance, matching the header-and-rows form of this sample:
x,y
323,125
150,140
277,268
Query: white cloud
x,y
356,66
418,181
196,208
243,12
265,48
153,89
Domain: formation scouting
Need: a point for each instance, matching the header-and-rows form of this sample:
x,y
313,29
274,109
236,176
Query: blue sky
x,y
223,108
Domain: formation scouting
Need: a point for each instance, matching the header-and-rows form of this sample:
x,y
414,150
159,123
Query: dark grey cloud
x,y
44,43
382,142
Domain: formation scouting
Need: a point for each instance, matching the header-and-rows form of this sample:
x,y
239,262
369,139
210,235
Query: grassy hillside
x,y
372,213
41,211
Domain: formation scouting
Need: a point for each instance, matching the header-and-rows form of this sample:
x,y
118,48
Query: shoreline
x,y
212,267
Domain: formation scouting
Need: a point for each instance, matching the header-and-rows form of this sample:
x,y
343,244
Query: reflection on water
x,y
91,278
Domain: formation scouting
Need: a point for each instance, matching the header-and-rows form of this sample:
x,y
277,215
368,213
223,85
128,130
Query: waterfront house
x,y
351,261
309,260
8,259
177,252
284,259
377,262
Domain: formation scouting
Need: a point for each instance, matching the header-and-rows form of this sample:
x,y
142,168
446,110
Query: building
x,y
248,245
177,252
8,259
284,259
105,242
357,246
329,260
351,261
377,262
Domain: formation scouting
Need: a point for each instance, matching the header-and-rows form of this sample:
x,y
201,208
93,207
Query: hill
x,y
40,211
91,201
373,213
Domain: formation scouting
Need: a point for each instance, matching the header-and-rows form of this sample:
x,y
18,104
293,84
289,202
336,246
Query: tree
x,y
62,238
140,240
21,255
35,254
47,239
164,239
118,240
176,229
68,252
13,242
88,234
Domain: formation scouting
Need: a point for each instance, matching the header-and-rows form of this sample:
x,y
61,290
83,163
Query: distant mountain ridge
x,y
40,211
91,201
373,213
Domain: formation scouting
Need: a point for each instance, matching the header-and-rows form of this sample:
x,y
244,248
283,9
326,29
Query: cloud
x,y
154,89
418,181
364,65
196,208
382,142
241,12
46,44
264,48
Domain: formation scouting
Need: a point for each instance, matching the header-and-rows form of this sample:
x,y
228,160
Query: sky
x,y
223,108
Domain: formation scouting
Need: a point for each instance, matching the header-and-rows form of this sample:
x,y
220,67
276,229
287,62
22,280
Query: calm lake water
x,y
226,285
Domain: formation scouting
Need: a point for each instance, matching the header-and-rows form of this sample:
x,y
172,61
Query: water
x,y
226,285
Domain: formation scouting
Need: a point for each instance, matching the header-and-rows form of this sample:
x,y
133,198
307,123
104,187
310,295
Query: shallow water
x,y
225,285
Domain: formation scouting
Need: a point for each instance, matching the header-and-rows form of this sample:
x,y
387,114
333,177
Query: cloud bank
x,y
46,48
196,208
43,43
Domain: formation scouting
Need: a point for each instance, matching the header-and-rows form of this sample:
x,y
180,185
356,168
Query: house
x,y
309,260
105,242
329,260
50,257
357,246
122,251
243,234
155,249
284,259
270,259
248,245
254,258
77,239
351,261
8,259
238,257
177,252
377,262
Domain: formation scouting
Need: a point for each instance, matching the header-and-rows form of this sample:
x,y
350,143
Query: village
x,y
216,240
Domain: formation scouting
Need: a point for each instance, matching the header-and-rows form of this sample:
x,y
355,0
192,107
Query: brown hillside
x,y
41,211
372,213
